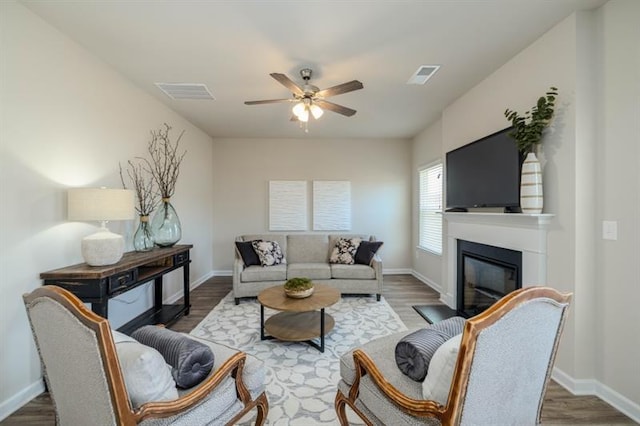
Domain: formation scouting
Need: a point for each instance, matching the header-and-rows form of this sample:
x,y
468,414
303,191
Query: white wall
x,y
378,170
67,119
618,191
591,163
426,149
550,61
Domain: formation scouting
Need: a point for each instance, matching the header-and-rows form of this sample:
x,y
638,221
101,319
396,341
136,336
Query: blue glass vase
x,y
143,237
165,225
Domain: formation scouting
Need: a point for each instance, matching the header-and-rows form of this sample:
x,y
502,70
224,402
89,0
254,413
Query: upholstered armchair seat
x,y
84,372
501,365
381,411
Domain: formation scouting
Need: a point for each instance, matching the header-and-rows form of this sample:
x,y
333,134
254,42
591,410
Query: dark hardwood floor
x,y
402,292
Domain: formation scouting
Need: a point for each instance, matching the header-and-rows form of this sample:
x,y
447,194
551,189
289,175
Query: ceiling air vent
x,y
424,73
185,90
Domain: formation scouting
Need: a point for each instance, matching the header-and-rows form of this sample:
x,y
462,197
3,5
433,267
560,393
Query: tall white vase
x,y
531,201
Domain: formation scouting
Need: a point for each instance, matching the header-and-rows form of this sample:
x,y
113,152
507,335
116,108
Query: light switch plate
x,y
609,230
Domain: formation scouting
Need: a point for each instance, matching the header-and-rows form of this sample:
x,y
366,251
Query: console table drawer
x,y
122,280
181,258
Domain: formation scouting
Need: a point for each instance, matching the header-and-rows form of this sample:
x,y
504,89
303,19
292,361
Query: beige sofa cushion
x,y
308,248
264,273
352,272
315,271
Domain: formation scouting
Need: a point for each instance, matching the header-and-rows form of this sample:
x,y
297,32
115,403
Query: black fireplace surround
x,y
485,274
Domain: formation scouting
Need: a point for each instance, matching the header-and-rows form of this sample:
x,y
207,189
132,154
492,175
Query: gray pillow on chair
x,y
191,361
415,350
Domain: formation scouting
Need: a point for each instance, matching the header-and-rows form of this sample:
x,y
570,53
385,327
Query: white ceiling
x,y
232,46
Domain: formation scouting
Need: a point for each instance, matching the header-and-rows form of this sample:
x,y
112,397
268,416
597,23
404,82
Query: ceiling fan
x,y
308,99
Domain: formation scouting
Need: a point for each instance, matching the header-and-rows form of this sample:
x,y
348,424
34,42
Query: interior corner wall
x,y
378,170
618,199
549,61
591,167
426,149
66,120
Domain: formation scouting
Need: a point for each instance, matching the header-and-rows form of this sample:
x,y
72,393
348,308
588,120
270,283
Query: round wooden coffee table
x,y
300,320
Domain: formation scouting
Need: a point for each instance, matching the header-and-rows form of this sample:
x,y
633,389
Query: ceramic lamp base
x,y
102,248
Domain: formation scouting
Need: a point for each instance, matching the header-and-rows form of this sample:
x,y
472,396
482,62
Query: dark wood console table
x,y
98,284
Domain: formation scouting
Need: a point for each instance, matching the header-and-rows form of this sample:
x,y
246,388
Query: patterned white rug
x,y
301,381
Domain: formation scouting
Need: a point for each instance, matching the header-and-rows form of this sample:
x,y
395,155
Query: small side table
x,y
300,320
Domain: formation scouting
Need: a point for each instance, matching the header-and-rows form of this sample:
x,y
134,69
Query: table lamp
x,y
101,204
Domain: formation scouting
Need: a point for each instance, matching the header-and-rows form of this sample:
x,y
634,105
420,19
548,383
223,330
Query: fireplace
x,y
485,274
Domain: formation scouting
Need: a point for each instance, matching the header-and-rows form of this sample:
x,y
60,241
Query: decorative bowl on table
x,y
298,288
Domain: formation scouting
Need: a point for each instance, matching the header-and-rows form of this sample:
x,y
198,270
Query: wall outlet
x,y
609,230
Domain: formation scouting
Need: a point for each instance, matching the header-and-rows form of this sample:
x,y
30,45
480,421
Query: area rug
x,y
301,381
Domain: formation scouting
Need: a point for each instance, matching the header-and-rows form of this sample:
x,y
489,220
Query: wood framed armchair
x,y
86,382
503,365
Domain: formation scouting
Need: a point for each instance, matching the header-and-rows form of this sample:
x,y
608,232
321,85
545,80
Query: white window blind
x,y
430,181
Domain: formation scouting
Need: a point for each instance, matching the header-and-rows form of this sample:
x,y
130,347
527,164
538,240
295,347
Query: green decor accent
x,y
528,128
298,284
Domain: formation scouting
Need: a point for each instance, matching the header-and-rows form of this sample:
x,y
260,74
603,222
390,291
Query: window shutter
x,y
430,187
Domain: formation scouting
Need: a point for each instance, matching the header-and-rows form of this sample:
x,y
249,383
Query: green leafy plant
x,y
298,284
528,128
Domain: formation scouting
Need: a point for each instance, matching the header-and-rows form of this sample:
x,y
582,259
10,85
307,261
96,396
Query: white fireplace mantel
x,y
526,233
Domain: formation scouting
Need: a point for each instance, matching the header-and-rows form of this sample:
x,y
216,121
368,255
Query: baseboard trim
x,y
20,399
223,273
194,284
398,271
427,281
594,387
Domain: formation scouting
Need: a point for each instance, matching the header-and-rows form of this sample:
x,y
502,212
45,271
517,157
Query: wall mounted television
x,y
484,173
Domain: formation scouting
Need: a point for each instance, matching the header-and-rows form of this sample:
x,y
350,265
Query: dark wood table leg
x,y
185,281
101,308
322,330
262,322
157,294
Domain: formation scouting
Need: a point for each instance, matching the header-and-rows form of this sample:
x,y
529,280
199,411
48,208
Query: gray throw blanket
x,y
191,361
415,350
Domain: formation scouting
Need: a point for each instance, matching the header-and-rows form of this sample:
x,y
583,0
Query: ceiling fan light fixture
x,y
316,111
300,110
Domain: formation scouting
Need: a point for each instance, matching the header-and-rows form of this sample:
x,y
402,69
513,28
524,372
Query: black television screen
x,y
484,173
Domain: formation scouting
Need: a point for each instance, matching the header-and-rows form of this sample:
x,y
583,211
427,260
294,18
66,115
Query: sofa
x,y
308,256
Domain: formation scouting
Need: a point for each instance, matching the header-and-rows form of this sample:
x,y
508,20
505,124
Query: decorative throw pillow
x,y
344,251
191,360
269,252
366,251
415,351
147,376
247,253
438,381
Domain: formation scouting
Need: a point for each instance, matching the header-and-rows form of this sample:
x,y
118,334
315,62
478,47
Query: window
x,y
430,192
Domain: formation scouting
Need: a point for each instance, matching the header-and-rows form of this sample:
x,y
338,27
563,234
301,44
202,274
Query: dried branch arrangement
x,y
165,160
145,188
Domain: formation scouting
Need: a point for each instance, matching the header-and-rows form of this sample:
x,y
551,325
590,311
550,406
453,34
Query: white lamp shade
x,y
101,204
98,204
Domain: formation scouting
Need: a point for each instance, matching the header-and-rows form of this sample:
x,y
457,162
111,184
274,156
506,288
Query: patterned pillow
x,y
269,252
345,251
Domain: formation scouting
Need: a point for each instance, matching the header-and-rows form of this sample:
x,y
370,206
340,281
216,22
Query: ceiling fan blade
x,y
349,86
268,101
335,107
288,83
